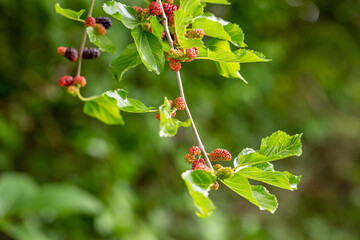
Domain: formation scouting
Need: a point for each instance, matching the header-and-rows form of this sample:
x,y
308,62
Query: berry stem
x,y
171,44
84,99
84,40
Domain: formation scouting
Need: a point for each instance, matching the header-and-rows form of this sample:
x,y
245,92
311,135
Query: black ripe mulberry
x,y
105,21
71,54
90,53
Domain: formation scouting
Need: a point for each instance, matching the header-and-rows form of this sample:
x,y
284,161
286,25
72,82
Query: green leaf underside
x,y
278,146
149,49
128,59
228,70
188,10
256,194
103,42
169,125
233,30
126,14
283,180
198,183
107,107
68,13
215,28
238,56
217,1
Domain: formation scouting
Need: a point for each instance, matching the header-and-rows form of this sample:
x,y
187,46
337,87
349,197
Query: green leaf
x,y
238,56
229,70
103,42
128,104
71,14
23,231
157,30
59,198
107,107
198,183
128,58
149,49
272,177
217,1
104,108
233,30
168,124
211,28
126,14
188,10
278,146
15,190
257,195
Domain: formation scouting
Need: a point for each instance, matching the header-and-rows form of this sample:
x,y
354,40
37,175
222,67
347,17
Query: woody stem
x,y
171,44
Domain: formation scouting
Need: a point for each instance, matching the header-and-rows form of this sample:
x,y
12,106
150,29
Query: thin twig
x,y
171,44
84,40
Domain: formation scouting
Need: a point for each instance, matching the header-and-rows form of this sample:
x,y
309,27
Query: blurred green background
x,y
92,181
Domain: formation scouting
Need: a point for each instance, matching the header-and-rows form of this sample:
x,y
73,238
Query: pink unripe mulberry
x,y
155,8
215,186
192,52
138,10
189,158
61,50
90,22
171,103
194,150
175,65
220,155
195,33
80,81
180,104
66,80
198,161
202,167
100,29
176,54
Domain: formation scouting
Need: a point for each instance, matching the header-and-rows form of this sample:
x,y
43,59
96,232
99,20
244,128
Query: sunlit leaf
x,y
278,146
257,195
198,183
68,13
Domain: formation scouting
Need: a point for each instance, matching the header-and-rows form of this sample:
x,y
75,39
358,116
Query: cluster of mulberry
x,y
176,55
178,106
179,55
100,25
220,172
71,83
72,53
